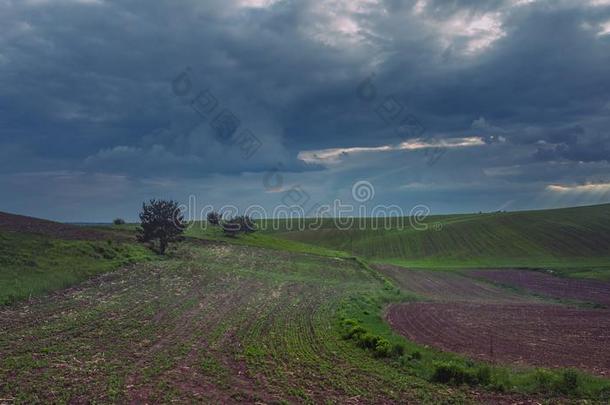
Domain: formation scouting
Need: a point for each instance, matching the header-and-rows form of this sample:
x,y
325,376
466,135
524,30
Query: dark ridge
x,y
25,224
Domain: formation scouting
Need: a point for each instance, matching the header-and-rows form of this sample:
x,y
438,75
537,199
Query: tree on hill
x,y
163,221
239,224
214,218
248,224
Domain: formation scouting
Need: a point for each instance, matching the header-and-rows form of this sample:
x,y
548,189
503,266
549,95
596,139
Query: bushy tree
x,y
231,227
119,221
240,224
247,224
214,218
163,221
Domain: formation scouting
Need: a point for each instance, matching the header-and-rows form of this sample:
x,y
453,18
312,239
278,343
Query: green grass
x,y
225,322
574,240
31,265
217,322
201,230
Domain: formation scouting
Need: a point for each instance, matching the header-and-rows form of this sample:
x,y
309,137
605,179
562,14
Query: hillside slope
x,y
572,237
38,256
24,224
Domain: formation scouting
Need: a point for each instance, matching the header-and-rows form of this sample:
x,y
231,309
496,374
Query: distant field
x,y
536,282
448,286
200,230
574,241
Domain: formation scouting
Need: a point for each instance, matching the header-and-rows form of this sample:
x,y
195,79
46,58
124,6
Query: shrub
x,y
214,218
364,339
398,349
349,322
367,340
240,224
570,381
118,221
484,375
248,224
416,355
452,373
355,332
231,227
544,380
500,386
383,348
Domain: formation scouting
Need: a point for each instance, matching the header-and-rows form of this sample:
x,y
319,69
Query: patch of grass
x,y
31,265
203,231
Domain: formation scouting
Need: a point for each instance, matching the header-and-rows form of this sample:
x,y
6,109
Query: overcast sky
x,y
461,106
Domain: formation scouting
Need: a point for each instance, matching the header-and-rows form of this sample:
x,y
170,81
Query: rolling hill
x,y
259,319
566,239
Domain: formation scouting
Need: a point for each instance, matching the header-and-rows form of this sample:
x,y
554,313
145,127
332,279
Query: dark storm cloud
x,y
85,87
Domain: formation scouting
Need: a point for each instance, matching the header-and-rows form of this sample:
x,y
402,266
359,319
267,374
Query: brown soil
x,y
467,315
449,286
533,334
546,284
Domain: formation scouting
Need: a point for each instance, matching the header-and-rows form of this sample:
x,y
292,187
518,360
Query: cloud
x,y
257,3
333,155
86,87
596,188
45,2
599,3
577,194
479,32
604,29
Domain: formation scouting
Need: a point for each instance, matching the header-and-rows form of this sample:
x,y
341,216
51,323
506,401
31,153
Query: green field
x,y
248,323
273,317
574,241
212,311
35,264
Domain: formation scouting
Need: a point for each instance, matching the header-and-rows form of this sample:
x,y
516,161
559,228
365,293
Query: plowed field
x,y
529,334
546,284
486,321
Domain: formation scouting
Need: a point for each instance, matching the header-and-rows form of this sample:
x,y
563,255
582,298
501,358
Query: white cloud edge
x,y
333,155
579,188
